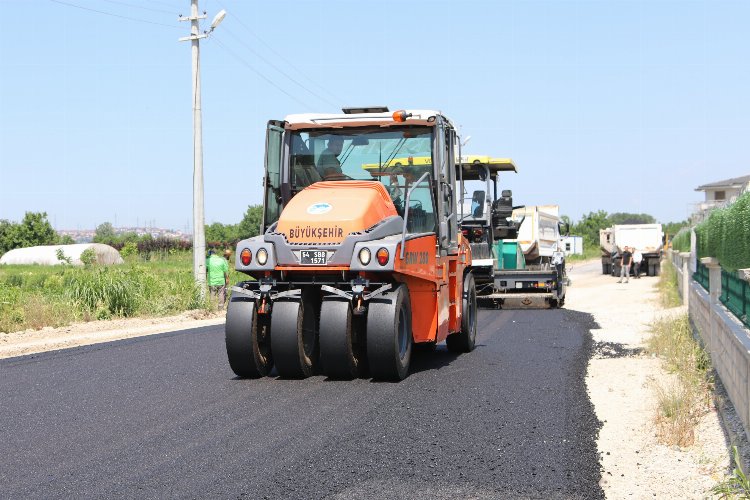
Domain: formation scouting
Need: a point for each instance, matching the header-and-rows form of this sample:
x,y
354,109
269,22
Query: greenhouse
x,y
52,255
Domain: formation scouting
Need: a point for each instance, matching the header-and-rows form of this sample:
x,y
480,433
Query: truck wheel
x,y
247,339
389,335
465,340
294,336
342,342
657,269
605,268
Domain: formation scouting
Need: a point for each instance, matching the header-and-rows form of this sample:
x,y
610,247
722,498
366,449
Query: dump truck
x,y
513,248
648,238
360,259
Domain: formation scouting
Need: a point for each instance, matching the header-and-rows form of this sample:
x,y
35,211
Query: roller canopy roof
x,y
471,171
340,120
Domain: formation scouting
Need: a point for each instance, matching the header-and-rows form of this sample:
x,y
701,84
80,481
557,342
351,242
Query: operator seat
x,y
502,211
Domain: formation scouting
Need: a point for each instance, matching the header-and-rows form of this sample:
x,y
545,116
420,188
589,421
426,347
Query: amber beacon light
x,y
401,115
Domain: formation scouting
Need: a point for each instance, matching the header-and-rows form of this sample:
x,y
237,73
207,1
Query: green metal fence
x,y
701,275
735,295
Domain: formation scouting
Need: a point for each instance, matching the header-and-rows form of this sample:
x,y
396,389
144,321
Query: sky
x,y
622,106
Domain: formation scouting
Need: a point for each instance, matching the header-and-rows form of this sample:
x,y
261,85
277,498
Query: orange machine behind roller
x,y
350,273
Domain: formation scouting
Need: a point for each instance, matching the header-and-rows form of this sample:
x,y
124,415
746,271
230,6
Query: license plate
x,y
313,257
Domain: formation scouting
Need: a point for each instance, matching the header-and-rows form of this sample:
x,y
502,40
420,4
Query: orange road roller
x,y
360,256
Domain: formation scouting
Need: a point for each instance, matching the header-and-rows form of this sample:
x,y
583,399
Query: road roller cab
x,y
360,256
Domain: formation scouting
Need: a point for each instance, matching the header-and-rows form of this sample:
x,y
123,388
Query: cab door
x,y
272,181
445,173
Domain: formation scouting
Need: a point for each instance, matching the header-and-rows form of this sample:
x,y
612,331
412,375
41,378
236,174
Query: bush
x,y
88,257
681,240
725,235
129,249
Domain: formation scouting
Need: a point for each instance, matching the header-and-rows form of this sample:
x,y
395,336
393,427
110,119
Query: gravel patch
x,y
621,381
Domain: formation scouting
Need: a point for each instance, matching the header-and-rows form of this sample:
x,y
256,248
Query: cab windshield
x,y
396,157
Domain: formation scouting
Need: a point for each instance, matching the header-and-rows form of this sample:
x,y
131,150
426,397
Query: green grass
x,y
589,252
667,286
38,296
737,484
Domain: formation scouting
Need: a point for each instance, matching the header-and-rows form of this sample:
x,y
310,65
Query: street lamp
x,y
199,230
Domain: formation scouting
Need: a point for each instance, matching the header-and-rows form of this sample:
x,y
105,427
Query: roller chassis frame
x,y
268,290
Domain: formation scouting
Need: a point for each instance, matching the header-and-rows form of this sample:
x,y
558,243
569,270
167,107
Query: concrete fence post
x,y
714,278
685,277
693,252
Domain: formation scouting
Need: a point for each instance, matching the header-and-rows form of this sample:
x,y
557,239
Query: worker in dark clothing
x,y
329,165
626,260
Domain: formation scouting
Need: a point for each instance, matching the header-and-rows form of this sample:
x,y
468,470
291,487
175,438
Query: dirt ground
x,y
621,382
77,334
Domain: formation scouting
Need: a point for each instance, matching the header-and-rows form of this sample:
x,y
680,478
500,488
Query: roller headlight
x,y
364,256
262,257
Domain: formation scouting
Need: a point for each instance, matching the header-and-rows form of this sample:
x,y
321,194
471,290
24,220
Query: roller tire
x,y
465,340
389,335
294,337
342,340
247,339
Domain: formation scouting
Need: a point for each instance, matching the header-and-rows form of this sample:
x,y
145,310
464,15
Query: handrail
x,y
406,211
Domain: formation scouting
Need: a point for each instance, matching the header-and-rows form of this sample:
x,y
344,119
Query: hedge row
x,y
725,235
165,245
681,240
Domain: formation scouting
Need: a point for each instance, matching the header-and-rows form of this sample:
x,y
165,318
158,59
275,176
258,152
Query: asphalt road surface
x,y
164,416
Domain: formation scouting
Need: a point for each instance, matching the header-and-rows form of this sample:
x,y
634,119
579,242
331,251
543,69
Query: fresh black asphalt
x,y
164,416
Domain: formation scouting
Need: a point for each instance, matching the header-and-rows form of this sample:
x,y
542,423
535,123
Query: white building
x,y
719,194
572,245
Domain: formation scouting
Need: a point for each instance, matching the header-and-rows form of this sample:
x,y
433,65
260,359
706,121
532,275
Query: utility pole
x,y
199,234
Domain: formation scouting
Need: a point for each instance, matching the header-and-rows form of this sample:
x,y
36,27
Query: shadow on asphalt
x,y
432,360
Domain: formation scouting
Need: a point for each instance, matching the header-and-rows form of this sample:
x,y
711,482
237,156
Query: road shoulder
x,y
621,382
94,332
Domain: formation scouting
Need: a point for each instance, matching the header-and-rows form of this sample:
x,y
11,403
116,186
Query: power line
x,y
264,77
127,4
293,80
114,15
275,52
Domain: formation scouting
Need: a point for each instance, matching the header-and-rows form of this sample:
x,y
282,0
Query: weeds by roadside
x,y
39,296
737,484
682,402
668,287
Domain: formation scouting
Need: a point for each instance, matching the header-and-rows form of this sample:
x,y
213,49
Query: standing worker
x,y
626,259
637,259
217,270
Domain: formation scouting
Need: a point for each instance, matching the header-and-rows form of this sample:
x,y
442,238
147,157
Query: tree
x,y
224,233
672,228
250,223
589,225
7,235
105,233
627,218
66,239
33,230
